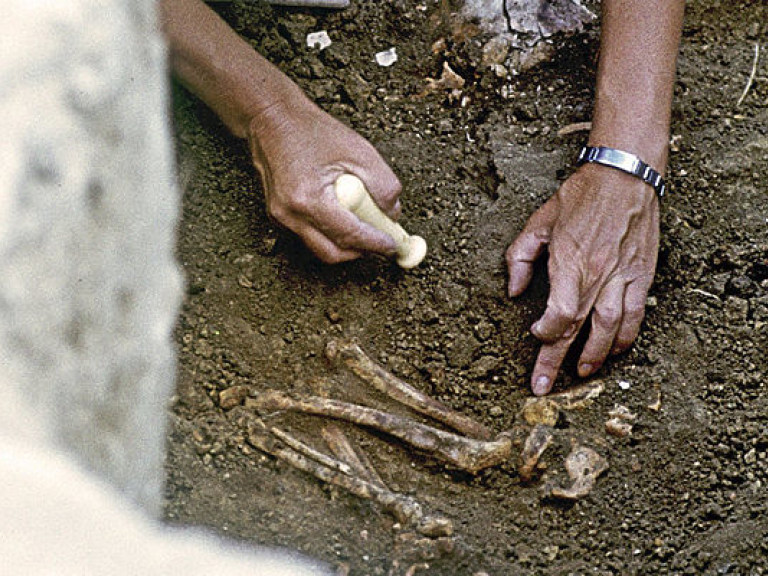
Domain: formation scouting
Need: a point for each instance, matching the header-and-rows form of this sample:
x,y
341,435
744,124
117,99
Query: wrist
x,y
649,144
623,162
274,115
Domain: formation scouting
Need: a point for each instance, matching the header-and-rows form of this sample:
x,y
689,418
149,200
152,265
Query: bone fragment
x,y
537,442
435,527
618,428
578,397
310,452
546,409
402,507
541,411
583,465
620,423
464,453
342,448
352,356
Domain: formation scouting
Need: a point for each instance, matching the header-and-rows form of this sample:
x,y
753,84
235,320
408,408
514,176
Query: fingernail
x,y
585,369
535,328
541,386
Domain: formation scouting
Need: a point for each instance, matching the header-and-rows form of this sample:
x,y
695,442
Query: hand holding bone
x,y
298,149
353,196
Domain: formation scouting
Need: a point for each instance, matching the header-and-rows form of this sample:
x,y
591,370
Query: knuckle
x,y
565,313
622,343
278,212
635,311
331,256
298,203
609,315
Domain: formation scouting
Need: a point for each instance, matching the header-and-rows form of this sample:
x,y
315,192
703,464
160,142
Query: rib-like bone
x,y
387,383
402,507
310,452
341,447
465,453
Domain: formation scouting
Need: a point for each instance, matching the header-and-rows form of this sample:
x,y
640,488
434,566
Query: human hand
x,y
299,152
602,230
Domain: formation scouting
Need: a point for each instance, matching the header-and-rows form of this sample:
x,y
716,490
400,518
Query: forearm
x,y
220,67
636,74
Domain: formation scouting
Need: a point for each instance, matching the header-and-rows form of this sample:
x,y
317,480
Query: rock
x,y
387,57
484,330
233,396
319,40
618,428
495,51
435,527
484,366
460,353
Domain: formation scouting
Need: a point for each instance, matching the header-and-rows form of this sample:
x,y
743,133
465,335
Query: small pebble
x,y
386,58
319,40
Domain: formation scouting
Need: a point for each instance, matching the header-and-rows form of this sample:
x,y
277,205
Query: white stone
x,y
319,40
387,57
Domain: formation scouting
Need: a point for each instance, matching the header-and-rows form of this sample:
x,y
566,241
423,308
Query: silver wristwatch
x,y
625,162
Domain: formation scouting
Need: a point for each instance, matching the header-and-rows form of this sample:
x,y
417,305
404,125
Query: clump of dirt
x,y
685,491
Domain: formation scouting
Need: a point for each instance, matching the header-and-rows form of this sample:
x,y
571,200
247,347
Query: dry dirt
x,y
686,493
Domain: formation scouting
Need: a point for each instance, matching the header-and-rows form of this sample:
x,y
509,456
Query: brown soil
x,y
686,493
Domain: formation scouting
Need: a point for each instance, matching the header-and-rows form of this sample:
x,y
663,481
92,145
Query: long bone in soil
x,y
342,448
465,453
302,457
352,356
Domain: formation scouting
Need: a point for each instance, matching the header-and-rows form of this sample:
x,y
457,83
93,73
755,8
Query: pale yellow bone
x,y
352,195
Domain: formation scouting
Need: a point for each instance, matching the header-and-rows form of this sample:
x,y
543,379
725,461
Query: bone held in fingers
x,y
352,195
352,356
464,453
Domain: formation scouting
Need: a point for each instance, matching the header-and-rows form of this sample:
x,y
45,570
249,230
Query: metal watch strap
x,y
625,162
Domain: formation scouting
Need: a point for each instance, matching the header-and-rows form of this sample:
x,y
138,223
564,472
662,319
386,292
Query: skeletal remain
x,y
583,465
540,411
310,452
402,507
620,423
352,195
546,409
352,356
465,453
578,397
537,442
342,448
